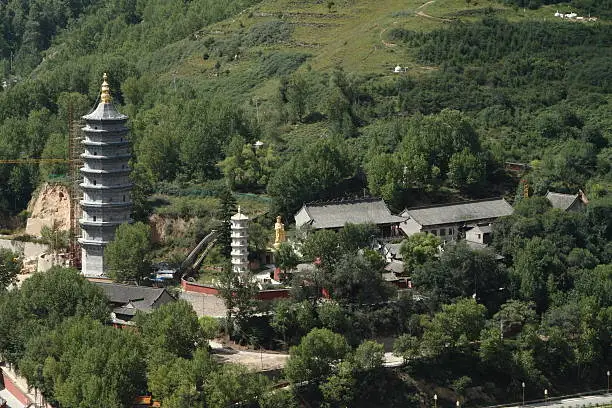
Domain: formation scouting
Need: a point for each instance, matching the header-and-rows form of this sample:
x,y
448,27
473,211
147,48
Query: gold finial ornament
x,y
105,96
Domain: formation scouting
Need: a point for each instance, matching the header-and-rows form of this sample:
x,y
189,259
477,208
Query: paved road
x,y
576,402
11,402
271,361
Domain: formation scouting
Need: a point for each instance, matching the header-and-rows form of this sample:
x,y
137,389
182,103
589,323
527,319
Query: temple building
x,y
240,242
334,215
106,184
450,221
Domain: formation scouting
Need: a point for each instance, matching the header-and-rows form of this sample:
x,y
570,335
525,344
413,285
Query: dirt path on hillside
x,y
420,13
382,40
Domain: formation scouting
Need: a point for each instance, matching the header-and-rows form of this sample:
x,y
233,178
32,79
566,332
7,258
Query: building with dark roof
x,y
567,202
127,300
334,215
447,220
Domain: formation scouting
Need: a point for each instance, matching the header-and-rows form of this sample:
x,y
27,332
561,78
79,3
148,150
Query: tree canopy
x,y
128,255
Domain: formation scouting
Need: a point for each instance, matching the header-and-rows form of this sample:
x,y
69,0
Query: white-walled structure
x,y
447,220
240,242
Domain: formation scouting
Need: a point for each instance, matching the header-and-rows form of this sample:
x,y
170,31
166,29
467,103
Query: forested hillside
x,y
291,101
203,80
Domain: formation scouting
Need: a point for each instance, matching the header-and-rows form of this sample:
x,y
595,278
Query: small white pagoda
x,y
240,242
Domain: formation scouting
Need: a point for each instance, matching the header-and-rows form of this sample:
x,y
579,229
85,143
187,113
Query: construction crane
x,y
74,161
33,161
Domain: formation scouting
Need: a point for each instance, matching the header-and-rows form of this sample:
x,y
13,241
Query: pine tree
x,y
228,208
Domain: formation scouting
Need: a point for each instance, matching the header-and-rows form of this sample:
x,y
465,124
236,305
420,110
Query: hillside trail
x,y
421,13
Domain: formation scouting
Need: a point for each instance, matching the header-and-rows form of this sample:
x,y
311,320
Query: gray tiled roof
x,y
561,201
335,215
484,229
394,250
395,267
105,111
141,297
460,213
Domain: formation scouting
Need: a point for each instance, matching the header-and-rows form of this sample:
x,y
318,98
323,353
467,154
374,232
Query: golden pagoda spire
x,y
105,96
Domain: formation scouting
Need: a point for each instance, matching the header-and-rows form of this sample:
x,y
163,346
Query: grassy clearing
x,y
352,35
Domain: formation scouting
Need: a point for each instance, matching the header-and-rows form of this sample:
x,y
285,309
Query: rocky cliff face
x,y
51,204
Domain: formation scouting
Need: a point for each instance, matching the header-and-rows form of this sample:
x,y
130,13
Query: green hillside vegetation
x,y
481,83
201,88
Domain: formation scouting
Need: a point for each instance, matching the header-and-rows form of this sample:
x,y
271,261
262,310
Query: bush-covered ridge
x,y
200,95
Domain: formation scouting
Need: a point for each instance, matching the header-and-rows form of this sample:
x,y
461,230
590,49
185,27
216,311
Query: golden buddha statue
x,y
279,229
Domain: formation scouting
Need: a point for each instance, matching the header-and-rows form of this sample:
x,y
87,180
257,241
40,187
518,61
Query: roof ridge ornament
x,y
105,96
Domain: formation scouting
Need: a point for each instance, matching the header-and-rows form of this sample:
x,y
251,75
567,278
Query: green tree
x,y
179,382
369,356
250,167
322,245
174,384
278,399
356,236
419,248
596,283
210,327
259,238
128,255
238,294
234,383
534,267
245,290
297,94
334,317
515,314
83,364
433,140
385,176
466,170
10,266
354,280
532,206
54,237
286,258
339,389
142,190
462,272
494,351
227,281
407,346
227,210
56,147
173,328
453,328
314,358
312,174
41,303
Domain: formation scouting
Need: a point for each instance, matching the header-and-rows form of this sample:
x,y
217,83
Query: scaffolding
x,y
74,187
